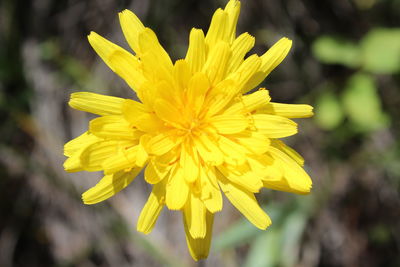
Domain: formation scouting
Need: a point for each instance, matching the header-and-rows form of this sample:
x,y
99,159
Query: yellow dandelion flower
x,y
196,131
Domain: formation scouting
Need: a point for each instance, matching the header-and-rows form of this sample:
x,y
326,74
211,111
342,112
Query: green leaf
x,y
331,50
328,111
243,231
265,251
362,104
236,235
292,232
381,50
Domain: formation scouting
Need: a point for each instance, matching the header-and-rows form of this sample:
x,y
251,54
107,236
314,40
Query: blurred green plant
x,y
362,104
329,111
378,52
280,244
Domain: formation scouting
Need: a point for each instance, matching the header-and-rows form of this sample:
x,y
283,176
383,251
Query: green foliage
x,y
362,104
377,52
331,50
279,245
328,111
240,232
381,50
265,250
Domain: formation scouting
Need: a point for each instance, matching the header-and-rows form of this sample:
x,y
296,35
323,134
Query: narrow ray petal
x,y
118,59
131,27
233,10
295,176
79,143
229,124
274,126
151,210
239,48
200,247
195,216
109,186
218,30
110,127
269,61
210,191
288,110
177,190
248,103
97,104
246,203
196,53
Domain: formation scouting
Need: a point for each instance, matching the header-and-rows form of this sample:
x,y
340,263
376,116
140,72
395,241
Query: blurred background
x,y
345,62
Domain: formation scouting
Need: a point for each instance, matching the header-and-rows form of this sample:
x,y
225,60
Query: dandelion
x,y
196,130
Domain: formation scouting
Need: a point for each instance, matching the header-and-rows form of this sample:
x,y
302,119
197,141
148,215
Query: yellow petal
x,y
273,126
234,153
275,55
243,176
155,172
269,61
245,72
229,124
196,53
233,10
113,127
153,56
216,64
208,150
141,154
137,114
200,247
265,167
253,141
218,30
194,214
220,96
167,91
282,185
240,47
151,210
273,170
131,26
182,74
161,144
210,192
73,164
189,163
246,203
118,59
294,174
150,123
248,103
289,151
132,110
128,68
123,160
97,104
108,186
94,155
167,112
197,88
79,143
177,190
288,110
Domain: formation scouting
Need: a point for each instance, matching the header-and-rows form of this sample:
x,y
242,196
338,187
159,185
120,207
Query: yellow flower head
x,y
196,130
